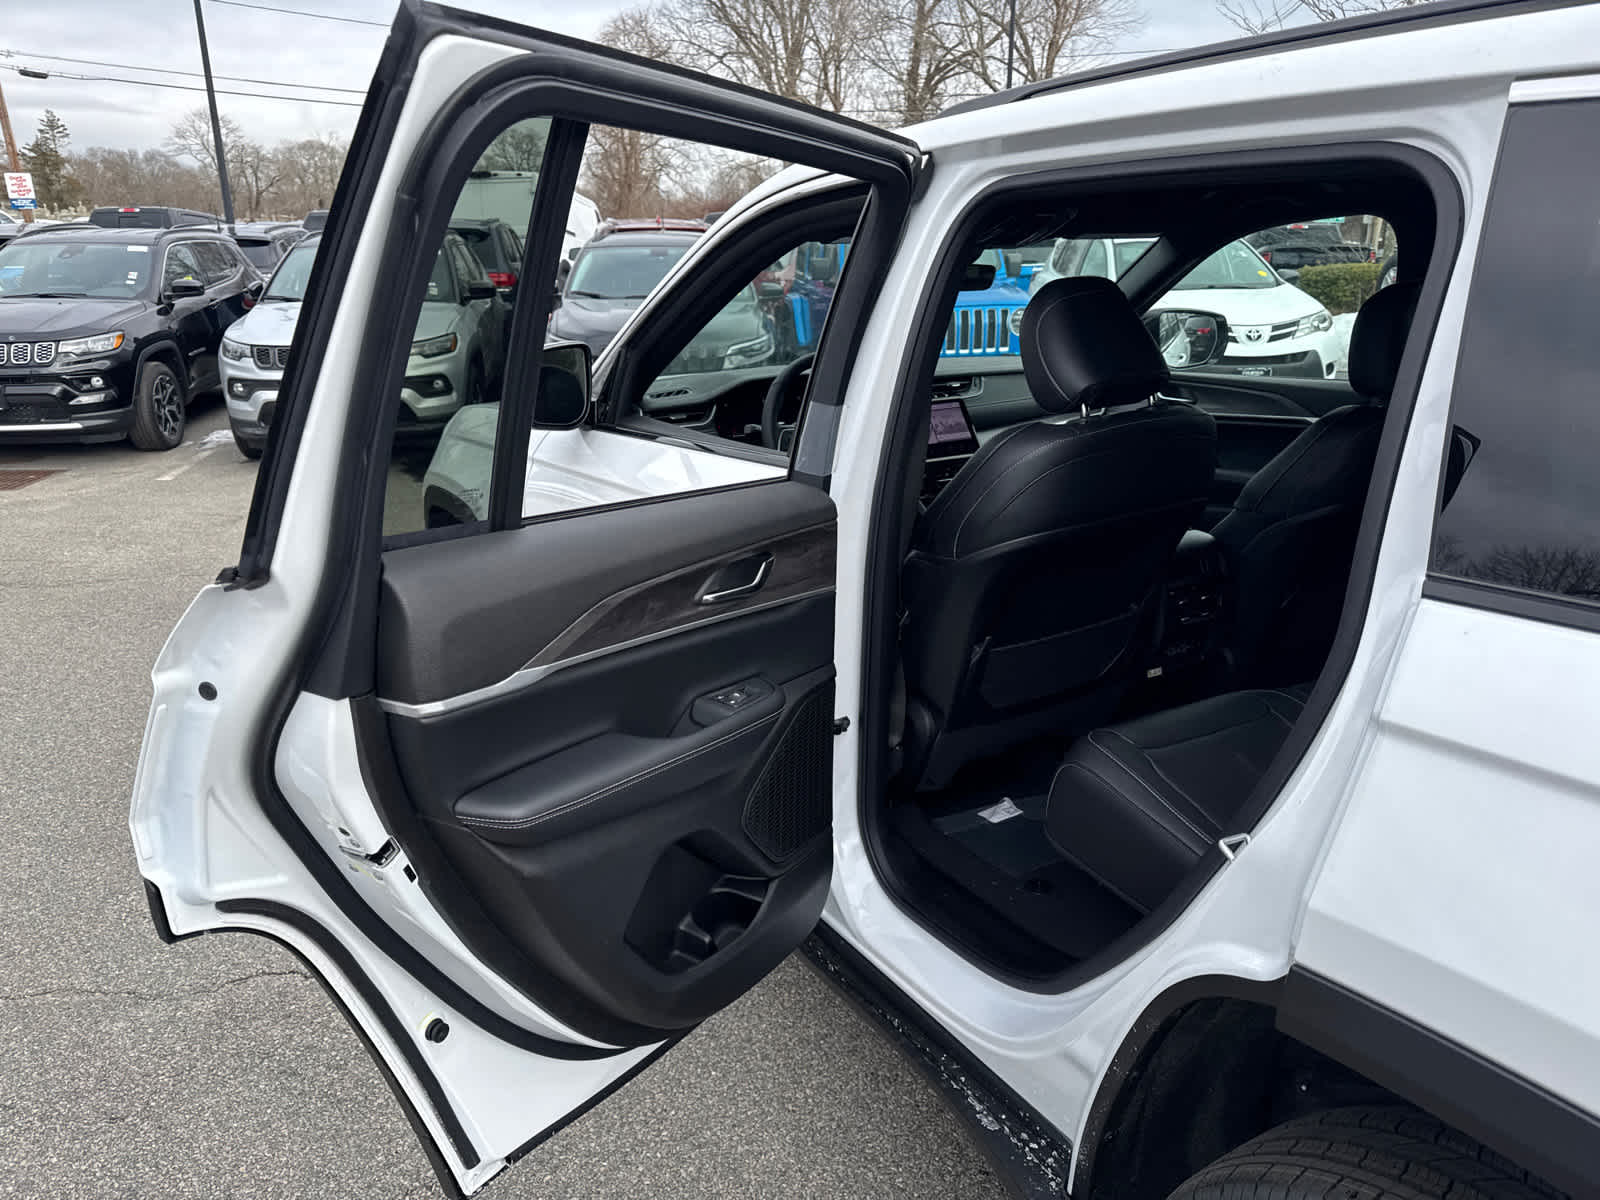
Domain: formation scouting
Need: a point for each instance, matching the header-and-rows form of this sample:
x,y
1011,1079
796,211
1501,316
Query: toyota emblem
x,y
1255,333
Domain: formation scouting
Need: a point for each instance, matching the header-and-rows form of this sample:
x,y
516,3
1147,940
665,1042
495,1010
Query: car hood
x,y
270,323
36,318
581,317
1244,306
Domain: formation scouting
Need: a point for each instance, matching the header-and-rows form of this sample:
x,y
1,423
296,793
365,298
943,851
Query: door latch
x,y
1232,844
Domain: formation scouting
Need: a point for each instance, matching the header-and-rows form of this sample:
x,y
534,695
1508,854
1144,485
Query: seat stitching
x,y
1053,443
1148,817
937,512
1160,799
526,822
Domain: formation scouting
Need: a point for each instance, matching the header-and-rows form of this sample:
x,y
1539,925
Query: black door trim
x,y
1505,1111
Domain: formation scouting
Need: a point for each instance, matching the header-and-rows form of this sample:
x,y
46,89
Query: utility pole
x,y
216,121
13,163
1011,40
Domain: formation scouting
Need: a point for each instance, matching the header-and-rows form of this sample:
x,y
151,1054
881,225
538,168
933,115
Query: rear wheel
x,y
159,416
1370,1153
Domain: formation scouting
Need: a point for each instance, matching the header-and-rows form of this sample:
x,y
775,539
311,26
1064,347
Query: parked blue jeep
x,y
983,322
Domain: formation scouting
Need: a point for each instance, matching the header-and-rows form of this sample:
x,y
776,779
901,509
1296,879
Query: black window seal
x,y
880,609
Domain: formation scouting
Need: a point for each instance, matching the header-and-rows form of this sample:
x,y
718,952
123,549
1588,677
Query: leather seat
x,y
1291,534
1030,585
1136,804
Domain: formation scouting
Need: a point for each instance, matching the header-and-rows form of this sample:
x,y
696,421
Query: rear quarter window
x,y
1521,498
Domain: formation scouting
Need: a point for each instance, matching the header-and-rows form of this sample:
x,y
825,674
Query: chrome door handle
x,y
722,595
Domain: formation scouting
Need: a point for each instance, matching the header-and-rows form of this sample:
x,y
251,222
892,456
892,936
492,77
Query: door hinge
x,y
381,857
1232,844
840,724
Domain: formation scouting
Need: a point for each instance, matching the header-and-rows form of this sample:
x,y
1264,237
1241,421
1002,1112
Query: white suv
x,y
1273,327
1196,772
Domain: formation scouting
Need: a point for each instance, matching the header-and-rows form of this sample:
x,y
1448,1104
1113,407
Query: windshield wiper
x,y
277,296
47,295
595,295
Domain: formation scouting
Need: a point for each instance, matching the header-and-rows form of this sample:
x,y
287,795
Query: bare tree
x,y
1052,36
1263,16
254,171
191,137
310,171
920,53
518,148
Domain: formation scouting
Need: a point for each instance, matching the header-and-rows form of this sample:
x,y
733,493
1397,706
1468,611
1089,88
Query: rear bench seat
x,y
1137,804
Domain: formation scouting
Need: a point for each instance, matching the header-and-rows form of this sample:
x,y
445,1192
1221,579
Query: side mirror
x,y
255,289
1186,338
479,291
769,289
178,289
564,378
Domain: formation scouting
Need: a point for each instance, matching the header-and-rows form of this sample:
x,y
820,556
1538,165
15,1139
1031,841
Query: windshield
x,y
289,282
621,272
110,270
261,254
1234,266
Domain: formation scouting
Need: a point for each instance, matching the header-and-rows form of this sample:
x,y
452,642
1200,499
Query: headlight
x,y
435,346
1315,323
1016,320
234,351
748,354
100,343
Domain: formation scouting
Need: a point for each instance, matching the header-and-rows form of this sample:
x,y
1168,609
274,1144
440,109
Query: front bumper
x,y
434,389
89,401
251,395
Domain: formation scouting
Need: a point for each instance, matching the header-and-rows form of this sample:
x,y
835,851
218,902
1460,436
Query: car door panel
x,y
574,767
533,797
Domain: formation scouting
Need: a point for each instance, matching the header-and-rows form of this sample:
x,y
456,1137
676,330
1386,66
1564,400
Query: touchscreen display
x,y
949,430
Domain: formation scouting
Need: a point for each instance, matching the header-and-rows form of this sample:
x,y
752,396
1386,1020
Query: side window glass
x,y
181,264
215,261
1521,496
1289,295
442,457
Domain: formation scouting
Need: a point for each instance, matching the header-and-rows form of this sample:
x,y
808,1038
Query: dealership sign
x,y
19,189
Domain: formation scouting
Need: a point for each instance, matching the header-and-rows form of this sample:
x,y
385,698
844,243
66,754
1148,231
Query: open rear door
x,y
541,780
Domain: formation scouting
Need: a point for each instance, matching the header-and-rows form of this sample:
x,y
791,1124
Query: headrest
x,y
1379,337
1083,346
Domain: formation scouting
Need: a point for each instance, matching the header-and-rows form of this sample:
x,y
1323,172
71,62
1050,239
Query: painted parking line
x,y
176,471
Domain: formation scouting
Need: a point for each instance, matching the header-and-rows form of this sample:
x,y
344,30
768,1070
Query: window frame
x,y
166,257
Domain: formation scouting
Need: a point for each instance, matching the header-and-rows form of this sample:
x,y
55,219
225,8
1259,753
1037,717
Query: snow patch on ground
x,y
217,437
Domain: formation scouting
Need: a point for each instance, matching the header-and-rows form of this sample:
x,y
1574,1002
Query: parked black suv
x,y
149,216
266,242
108,333
1290,247
497,246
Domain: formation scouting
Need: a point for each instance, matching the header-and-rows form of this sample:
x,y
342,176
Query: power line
x,y
183,87
94,62
298,12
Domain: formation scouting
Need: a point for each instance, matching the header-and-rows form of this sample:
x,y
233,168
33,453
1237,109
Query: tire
x,y
1388,272
247,448
159,416
1363,1154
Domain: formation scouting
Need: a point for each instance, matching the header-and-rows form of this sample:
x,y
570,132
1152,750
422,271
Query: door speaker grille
x,y
792,801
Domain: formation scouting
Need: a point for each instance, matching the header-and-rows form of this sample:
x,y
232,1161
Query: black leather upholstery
x,y
1030,581
1084,346
1137,804
1292,531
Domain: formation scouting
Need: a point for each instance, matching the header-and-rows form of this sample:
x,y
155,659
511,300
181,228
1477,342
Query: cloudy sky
x,y
154,42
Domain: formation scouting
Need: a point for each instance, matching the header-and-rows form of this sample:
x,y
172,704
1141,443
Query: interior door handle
x,y
719,589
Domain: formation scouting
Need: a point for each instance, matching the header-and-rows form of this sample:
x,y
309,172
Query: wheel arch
x,y
1217,1060
166,352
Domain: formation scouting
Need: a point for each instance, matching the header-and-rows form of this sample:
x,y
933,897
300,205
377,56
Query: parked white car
x,y
457,349
1195,772
1273,327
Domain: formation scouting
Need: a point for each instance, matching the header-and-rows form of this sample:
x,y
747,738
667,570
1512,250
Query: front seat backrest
x,y
1291,534
1030,581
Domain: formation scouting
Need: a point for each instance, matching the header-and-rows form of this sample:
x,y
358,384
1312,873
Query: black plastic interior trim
x,y
1419,16
310,928
1030,1153
880,609
1512,602
1515,1116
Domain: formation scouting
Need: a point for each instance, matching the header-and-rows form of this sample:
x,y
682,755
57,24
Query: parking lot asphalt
x,y
217,1067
